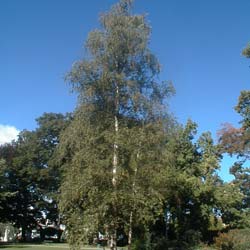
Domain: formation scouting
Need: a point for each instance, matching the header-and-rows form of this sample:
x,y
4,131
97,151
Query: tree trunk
x,y
130,231
115,156
113,244
23,238
113,241
6,234
166,227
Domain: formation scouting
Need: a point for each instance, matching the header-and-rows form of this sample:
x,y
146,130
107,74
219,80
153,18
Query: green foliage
x,y
5,191
235,141
190,186
29,177
243,108
112,150
143,243
237,239
246,51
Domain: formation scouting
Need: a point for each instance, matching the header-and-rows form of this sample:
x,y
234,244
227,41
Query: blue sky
x,y
198,43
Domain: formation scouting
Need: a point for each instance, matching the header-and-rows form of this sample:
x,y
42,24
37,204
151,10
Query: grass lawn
x,y
52,246
48,246
34,246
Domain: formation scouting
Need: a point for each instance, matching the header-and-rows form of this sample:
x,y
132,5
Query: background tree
x,y
30,175
190,187
236,141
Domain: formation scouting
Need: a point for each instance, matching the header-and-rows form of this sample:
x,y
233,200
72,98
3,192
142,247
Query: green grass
x,y
54,246
48,246
34,246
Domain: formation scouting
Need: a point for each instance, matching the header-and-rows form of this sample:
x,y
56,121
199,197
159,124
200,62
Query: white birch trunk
x,y
130,232
6,234
113,241
115,156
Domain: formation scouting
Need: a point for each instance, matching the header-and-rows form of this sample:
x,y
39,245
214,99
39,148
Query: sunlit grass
x,y
48,246
51,246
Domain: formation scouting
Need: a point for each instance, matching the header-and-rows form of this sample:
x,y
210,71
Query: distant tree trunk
x,y
24,229
166,229
42,234
113,240
6,234
59,235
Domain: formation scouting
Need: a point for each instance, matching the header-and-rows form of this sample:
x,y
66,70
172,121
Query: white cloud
x,y
8,133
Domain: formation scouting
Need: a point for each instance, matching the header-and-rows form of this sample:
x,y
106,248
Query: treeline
x,y
120,164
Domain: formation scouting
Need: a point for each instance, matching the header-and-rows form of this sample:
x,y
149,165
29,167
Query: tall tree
x,y
121,107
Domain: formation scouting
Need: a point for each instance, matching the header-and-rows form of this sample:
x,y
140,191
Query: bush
x,y
191,237
161,243
237,239
143,243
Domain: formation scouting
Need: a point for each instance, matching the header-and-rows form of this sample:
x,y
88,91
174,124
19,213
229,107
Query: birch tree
x,y
111,146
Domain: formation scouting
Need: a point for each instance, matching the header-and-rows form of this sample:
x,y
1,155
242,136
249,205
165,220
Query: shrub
x,y
191,237
237,239
161,243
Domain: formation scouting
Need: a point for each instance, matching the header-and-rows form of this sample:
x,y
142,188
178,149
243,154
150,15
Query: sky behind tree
x,y
198,43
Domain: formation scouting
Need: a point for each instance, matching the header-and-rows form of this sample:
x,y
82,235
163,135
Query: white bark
x,y
6,234
113,243
130,232
115,156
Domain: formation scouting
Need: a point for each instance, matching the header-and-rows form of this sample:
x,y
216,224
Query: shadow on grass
x,y
32,246
14,246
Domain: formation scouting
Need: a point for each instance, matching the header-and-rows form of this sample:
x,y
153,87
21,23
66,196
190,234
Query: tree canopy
x,y
30,181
